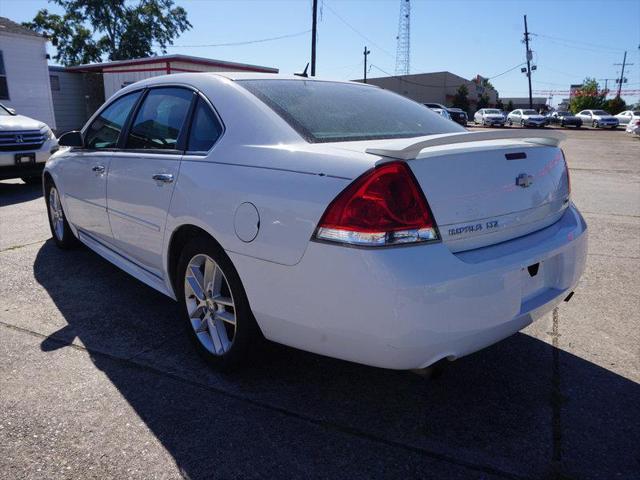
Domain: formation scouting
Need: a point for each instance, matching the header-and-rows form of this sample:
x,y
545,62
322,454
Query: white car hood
x,y
19,122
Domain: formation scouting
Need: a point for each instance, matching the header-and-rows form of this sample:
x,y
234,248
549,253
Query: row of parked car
x,y
493,117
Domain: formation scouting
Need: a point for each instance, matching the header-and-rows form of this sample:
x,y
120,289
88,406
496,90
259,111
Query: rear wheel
x,y
522,123
217,311
510,123
594,124
60,230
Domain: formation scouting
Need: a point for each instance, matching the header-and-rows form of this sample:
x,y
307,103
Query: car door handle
x,y
163,178
98,169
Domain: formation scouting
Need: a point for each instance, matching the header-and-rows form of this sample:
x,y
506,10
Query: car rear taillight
x,y
384,206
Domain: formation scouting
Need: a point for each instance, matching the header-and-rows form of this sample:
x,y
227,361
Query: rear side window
x,y
160,119
105,130
205,129
338,112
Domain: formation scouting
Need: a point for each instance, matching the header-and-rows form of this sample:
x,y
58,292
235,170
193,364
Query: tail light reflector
x,y
384,206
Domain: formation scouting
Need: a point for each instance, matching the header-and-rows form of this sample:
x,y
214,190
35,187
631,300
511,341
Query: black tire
x,y
31,180
522,123
594,124
247,336
66,240
510,123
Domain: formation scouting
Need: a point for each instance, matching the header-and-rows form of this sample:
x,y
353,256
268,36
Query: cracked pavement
x,y
98,378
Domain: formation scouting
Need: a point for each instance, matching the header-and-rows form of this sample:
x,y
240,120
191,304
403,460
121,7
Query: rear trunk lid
x,y
486,192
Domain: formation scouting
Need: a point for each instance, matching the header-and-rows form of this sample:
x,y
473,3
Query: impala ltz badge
x,y
523,180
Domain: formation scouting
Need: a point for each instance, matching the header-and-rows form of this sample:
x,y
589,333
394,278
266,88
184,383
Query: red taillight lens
x,y
384,206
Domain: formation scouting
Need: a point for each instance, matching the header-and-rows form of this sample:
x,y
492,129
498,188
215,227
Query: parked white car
x,y
25,146
633,126
628,116
491,117
526,118
597,119
442,112
335,217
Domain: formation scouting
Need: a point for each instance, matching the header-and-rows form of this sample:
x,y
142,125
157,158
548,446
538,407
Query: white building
x,y
24,74
119,74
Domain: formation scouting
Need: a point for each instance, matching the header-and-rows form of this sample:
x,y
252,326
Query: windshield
x,y
636,113
600,112
529,112
338,112
490,110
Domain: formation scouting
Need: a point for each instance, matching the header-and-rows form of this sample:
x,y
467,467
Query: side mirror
x,y
71,139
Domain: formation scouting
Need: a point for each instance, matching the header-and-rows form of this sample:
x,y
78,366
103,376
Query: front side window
x,y
160,119
205,129
339,112
4,86
105,130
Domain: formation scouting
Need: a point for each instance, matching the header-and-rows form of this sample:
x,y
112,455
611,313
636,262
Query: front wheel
x,y
510,123
216,306
594,124
522,123
60,229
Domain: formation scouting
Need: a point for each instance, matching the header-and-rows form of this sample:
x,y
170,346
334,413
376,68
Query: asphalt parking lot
x,y
99,380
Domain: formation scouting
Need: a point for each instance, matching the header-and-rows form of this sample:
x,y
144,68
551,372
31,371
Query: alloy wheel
x,y
210,304
55,211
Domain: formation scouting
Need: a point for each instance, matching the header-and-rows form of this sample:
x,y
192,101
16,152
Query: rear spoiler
x,y
409,151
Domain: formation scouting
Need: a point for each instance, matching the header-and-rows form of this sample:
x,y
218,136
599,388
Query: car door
x,y
84,171
142,175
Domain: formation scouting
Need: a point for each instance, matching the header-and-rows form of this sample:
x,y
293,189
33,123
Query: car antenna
x,y
304,72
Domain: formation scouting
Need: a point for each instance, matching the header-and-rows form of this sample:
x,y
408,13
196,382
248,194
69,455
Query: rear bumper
x,y
409,307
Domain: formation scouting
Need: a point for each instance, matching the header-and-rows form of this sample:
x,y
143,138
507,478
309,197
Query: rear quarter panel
x,y
289,205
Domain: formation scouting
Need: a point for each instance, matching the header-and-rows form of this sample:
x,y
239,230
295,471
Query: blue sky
x,y
572,38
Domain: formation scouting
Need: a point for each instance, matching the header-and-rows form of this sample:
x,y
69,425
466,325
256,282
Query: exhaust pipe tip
x,y
568,297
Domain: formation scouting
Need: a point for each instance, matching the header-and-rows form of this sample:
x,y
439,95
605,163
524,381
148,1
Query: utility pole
x,y
366,52
621,81
526,42
314,32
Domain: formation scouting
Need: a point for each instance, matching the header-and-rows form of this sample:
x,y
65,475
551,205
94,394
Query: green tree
x,y
91,30
461,99
588,97
483,101
510,106
615,105
499,104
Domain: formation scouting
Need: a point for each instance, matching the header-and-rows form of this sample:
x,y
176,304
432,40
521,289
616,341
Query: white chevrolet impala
x,y
334,217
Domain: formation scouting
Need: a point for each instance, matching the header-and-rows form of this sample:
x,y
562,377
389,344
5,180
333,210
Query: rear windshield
x,y
600,112
529,112
490,110
636,113
340,112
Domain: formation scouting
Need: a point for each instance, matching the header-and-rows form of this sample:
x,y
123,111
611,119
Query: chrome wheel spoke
x,y
226,301
196,282
227,317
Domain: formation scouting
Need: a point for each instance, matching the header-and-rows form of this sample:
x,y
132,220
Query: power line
x,y
506,71
357,31
577,42
247,42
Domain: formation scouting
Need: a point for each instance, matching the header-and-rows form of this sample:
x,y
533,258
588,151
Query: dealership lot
x,y
98,379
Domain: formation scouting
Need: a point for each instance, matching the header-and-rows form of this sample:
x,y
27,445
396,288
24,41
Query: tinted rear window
x,y
339,112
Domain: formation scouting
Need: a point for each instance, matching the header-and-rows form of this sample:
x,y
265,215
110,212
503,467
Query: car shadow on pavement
x,y
514,410
12,193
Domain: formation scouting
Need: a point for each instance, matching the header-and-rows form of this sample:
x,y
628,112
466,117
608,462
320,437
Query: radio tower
x,y
403,50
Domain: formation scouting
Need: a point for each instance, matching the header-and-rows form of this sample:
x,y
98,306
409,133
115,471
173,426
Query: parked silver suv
x,y
25,146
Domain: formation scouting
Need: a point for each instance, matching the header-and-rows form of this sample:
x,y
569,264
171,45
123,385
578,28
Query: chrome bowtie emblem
x,y
19,139
523,180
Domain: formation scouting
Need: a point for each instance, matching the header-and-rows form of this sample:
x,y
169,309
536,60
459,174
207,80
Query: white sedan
x,y
628,116
334,217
